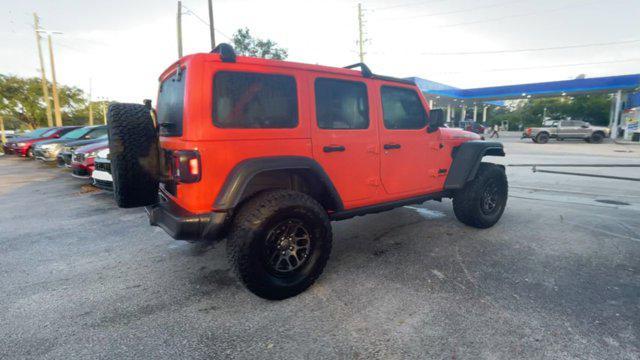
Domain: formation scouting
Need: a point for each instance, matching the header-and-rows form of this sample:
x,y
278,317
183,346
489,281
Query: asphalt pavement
x,y
558,277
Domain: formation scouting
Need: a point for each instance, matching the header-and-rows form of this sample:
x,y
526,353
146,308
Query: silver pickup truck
x,y
567,129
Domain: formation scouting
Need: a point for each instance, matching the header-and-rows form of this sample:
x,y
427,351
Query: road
x,y
558,277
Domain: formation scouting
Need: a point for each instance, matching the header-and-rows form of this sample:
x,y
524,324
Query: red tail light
x,y
186,166
529,131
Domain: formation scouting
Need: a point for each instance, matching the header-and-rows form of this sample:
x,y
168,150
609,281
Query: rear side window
x,y
171,104
252,100
402,109
341,104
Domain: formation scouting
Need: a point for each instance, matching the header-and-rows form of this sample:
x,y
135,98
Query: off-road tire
x,y
468,202
596,138
247,242
542,138
134,152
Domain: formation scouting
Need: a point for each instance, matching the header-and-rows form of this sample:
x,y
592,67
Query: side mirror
x,y
436,120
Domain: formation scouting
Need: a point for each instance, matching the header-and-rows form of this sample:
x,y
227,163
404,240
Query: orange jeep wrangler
x,y
267,153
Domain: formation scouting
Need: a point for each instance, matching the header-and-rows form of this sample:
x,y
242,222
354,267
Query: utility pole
x,y
54,86
3,138
211,27
360,33
179,28
90,105
43,77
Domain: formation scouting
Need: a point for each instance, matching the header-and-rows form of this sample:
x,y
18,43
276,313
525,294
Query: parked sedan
x,y
82,159
23,146
102,171
64,156
48,150
10,145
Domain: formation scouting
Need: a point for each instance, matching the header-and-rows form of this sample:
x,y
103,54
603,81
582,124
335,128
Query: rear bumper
x,y
181,224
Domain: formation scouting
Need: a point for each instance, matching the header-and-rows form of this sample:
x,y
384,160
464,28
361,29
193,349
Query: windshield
x,y
76,134
36,133
49,133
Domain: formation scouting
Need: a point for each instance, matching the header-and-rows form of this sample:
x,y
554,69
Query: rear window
x,y
171,104
252,100
341,104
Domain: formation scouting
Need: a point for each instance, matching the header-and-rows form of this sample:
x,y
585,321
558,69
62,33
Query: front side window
x,y
402,109
255,101
341,104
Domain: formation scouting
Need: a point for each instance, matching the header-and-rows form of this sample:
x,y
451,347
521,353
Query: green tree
x,y
247,45
21,100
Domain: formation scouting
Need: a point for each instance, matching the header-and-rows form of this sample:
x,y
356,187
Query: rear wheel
x,y
542,138
482,201
134,151
279,243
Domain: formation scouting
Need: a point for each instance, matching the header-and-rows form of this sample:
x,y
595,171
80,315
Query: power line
x,y
453,11
530,49
406,5
543,67
191,12
530,13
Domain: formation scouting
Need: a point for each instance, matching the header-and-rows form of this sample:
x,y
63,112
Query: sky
x,y
120,47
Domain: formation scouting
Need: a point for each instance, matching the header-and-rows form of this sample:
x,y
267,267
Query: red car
x,y
23,146
82,159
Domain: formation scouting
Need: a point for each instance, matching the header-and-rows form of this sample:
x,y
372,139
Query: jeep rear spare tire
x,y
482,201
279,243
134,152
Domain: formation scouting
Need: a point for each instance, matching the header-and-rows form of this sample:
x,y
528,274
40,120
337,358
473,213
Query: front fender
x,y
466,161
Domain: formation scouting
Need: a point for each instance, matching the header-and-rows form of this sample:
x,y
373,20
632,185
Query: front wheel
x,y
279,244
482,201
596,138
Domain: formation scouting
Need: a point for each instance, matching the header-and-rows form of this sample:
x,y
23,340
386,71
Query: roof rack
x,y
227,54
366,72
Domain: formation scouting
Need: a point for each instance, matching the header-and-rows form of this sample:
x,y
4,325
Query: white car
x,y
101,175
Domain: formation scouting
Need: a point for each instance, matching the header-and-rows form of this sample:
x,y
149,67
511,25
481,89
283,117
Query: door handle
x,y
391,146
333,148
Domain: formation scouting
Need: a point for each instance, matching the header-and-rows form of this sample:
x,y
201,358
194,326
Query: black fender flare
x,y
236,183
466,161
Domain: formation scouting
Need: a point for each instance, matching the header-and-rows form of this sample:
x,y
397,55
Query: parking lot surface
x,y
557,277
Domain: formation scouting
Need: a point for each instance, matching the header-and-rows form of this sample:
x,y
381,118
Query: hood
x,y
50,141
92,147
458,134
80,143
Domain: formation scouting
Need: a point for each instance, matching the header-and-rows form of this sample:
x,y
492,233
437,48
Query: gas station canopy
x,y
608,84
